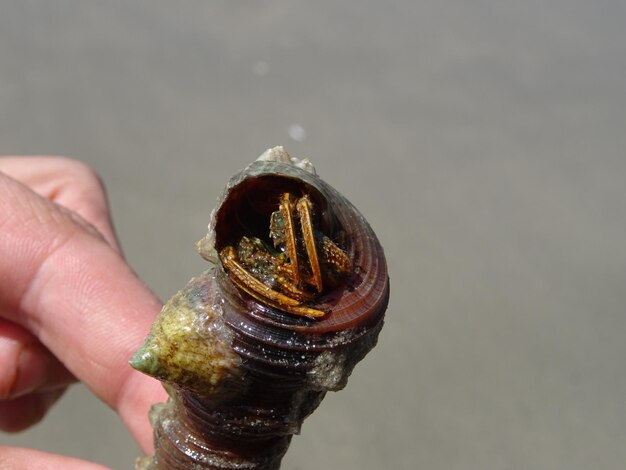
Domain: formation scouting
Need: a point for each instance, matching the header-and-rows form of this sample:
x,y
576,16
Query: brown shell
x,y
260,371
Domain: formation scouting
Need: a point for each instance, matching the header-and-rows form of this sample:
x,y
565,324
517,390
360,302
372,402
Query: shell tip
x,y
280,155
144,361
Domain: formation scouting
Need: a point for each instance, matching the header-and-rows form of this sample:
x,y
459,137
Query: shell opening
x,y
280,242
249,206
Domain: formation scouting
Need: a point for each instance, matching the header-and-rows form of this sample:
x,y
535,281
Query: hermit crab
x,y
293,298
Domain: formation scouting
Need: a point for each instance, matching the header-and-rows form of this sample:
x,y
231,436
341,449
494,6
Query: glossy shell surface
x,y
242,375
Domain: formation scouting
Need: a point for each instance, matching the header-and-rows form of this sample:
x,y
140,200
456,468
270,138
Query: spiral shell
x,y
242,373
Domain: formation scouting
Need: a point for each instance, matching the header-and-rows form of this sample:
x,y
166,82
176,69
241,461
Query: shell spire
x,y
294,297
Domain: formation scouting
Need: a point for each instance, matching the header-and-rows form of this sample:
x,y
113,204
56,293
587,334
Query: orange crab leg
x,y
299,310
288,288
335,256
286,209
248,283
303,206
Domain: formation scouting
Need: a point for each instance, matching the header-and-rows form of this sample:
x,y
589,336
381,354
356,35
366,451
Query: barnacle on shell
x,y
293,299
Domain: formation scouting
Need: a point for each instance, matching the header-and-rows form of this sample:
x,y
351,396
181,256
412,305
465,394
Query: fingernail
x,y
9,354
22,371
32,371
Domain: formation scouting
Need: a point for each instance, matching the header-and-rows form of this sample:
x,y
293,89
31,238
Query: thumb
x,y
14,458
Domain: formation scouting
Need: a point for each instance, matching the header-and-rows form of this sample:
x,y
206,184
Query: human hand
x,y
70,307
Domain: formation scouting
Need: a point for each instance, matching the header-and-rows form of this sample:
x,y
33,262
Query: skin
x,y
71,309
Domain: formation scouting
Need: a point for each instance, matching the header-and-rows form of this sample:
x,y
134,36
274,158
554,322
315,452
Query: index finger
x,y
67,182
77,295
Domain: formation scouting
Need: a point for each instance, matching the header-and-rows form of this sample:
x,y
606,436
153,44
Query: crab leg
x,y
286,209
248,283
335,256
304,207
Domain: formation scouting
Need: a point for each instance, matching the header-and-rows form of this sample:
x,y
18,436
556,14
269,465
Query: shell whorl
x,y
242,375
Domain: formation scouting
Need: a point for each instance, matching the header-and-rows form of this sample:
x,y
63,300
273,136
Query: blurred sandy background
x,y
483,140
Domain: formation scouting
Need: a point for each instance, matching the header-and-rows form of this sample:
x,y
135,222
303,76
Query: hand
x,y
70,307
